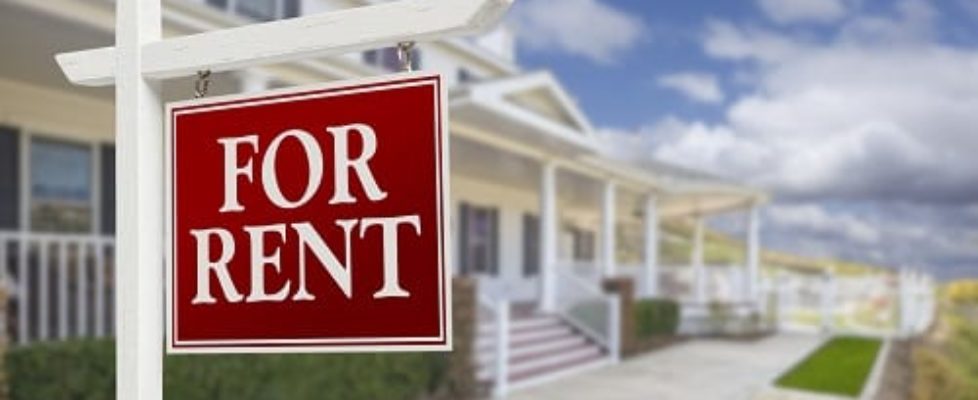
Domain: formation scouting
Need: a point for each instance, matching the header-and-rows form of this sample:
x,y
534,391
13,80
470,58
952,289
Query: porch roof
x,y
534,115
530,109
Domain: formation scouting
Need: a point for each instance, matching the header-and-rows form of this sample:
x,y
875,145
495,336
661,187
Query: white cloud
x,y
587,28
789,11
725,40
847,118
866,136
816,220
696,86
901,235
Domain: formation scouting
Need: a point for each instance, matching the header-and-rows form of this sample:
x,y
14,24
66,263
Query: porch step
x,y
569,342
537,321
526,336
540,346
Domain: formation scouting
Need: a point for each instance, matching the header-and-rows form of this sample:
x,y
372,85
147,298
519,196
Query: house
x,y
541,213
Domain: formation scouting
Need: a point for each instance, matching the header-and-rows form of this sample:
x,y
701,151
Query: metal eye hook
x,y
202,84
405,53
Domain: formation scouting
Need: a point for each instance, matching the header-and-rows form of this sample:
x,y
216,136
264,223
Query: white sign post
x,y
141,58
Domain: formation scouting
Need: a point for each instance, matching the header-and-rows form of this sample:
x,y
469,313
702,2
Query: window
x,y
60,186
387,59
582,244
465,76
479,240
531,245
9,179
260,10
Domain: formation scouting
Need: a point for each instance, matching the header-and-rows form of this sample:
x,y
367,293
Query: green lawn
x,y
840,367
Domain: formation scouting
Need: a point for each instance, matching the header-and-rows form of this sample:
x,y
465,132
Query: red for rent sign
x,y
309,219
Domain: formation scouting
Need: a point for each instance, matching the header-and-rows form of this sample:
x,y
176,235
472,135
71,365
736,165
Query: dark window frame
x,y
10,177
531,245
478,255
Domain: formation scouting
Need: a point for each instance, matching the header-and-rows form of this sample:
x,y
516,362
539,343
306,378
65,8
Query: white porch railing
x,y
588,308
498,311
60,285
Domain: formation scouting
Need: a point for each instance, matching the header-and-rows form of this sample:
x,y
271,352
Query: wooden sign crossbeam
x,y
316,35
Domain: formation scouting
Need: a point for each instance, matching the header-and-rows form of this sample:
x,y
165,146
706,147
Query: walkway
x,y
696,370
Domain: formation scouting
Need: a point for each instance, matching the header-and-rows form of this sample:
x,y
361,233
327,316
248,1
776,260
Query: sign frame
x,y
343,345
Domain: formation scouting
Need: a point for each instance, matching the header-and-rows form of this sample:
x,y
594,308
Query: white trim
x,y
62,246
502,88
313,35
43,292
139,178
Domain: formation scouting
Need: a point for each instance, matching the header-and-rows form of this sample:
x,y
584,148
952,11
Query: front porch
x,y
543,218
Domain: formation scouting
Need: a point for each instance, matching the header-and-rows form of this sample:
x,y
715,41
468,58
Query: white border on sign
x,y
442,342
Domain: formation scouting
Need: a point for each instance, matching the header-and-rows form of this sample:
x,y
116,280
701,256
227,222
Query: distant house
x,y
540,213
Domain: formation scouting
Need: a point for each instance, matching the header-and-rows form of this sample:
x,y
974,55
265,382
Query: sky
x,y
858,116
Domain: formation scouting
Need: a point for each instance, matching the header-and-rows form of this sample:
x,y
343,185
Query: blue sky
x,y
856,114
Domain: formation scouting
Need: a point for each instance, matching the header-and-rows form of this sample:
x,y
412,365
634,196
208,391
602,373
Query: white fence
x,y
61,285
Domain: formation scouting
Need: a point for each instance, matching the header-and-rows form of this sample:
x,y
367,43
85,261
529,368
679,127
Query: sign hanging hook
x,y
405,53
202,84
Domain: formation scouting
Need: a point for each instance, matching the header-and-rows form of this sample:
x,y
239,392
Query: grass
x,y
839,367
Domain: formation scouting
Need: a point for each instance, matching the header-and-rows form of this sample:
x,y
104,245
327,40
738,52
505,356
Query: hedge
x,y
656,317
85,370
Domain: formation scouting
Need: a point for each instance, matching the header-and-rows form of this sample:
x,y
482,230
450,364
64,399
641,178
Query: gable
x,y
544,103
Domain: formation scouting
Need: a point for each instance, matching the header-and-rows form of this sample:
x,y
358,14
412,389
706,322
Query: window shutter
x,y
531,245
494,242
9,178
463,238
107,190
292,9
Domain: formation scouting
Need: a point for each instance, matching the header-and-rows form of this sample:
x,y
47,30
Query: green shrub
x,y
656,317
85,370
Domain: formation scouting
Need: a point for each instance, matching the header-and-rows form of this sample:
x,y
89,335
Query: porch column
x,y
651,273
696,259
548,237
753,255
608,230
828,301
906,302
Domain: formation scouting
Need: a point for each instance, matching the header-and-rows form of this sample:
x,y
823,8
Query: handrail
x,y
582,284
487,302
593,291
57,237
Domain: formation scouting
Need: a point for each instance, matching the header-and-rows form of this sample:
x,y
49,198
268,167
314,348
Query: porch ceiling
x,y
691,204
29,39
475,160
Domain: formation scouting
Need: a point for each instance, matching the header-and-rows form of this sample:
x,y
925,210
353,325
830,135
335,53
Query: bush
x,y
85,370
656,317
936,377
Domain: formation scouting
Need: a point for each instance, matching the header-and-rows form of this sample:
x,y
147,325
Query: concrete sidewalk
x,y
696,370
